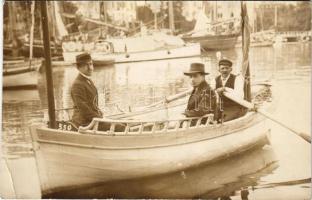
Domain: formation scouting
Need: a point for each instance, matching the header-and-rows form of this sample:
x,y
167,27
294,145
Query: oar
x,y
249,105
171,98
146,108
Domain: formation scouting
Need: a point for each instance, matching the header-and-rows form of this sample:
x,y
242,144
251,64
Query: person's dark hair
x,y
80,64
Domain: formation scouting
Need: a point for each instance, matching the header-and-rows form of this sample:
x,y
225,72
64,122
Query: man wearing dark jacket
x,y
235,84
84,93
203,99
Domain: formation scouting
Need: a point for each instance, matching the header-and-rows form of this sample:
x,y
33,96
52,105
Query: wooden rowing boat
x,y
128,147
68,159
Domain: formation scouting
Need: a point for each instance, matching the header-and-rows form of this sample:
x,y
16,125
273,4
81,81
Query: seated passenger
x,y
229,109
203,99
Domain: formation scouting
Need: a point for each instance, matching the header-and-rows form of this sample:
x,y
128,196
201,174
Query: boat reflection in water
x,y
221,179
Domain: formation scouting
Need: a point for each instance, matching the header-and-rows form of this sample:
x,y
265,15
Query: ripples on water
x,y
17,117
124,86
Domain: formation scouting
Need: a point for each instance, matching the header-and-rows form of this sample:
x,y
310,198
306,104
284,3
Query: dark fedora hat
x,y
83,58
225,62
196,68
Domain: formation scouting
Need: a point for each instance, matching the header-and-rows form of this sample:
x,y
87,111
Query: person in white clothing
x,y
229,109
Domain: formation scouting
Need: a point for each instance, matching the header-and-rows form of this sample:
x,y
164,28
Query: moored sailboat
x,y
22,73
156,46
208,33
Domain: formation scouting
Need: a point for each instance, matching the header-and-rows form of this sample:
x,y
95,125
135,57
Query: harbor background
x,y
288,66
279,171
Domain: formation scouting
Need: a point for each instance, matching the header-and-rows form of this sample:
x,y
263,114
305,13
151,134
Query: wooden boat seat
x,y
112,126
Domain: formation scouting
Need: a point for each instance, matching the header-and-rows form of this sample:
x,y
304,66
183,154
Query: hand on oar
x,y
249,105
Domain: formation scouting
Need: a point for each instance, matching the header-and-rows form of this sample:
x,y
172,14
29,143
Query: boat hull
x,y
257,44
190,50
220,42
18,74
20,80
67,160
101,63
18,64
38,50
179,185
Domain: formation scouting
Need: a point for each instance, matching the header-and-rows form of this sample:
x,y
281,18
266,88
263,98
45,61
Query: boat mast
x,y
12,18
216,12
31,37
104,11
155,7
254,18
155,20
47,55
215,16
261,20
275,16
171,16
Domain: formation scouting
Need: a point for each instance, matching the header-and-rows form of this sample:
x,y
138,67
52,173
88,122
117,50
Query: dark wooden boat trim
x,y
20,87
18,71
214,42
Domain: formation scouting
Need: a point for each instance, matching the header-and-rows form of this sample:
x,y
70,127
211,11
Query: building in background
x,y
191,8
90,9
121,12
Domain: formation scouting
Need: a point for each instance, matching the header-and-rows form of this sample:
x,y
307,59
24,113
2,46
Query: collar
x,y
226,78
87,77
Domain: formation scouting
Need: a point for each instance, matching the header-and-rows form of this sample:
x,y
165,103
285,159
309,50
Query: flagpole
x,y
245,51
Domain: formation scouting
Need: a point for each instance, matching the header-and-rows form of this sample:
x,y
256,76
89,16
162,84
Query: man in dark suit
x,y
203,99
84,93
227,81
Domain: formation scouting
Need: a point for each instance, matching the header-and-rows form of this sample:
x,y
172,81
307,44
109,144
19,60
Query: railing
x,y
123,127
294,33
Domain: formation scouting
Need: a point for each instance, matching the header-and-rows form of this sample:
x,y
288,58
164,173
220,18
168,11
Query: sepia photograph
x,y
156,100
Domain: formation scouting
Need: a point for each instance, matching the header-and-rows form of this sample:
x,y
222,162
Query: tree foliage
x,y
289,17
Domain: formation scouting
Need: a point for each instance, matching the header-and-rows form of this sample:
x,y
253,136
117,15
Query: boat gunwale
x,y
19,71
212,37
252,119
172,47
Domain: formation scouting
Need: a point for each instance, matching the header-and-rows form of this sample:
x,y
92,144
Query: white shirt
x,y
89,80
238,85
88,77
